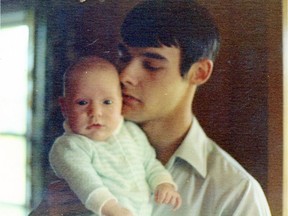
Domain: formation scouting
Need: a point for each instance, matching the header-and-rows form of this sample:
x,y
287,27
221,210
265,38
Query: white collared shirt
x,y
211,182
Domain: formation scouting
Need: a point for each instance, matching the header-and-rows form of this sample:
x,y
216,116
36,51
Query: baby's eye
x,y
107,102
82,102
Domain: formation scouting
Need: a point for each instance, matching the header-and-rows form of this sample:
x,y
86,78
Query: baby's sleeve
x,y
156,173
70,158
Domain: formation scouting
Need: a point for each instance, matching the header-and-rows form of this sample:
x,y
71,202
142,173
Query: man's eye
x,y
107,102
150,67
82,102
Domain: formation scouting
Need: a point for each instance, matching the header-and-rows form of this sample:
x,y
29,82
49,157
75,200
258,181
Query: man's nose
x,y
129,74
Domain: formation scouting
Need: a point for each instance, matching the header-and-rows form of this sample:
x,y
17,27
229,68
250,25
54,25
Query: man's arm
x,y
59,199
252,201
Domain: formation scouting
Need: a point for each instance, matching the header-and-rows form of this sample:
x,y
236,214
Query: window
x,y
15,109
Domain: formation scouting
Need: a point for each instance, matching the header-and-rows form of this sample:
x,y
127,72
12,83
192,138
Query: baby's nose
x,y
95,111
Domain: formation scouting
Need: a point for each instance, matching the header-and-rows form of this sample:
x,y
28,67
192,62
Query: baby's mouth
x,y
95,125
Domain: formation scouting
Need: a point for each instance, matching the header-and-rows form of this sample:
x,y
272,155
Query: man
x,y
168,50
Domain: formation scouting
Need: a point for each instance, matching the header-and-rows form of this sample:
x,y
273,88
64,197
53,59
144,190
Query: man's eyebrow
x,y
122,49
153,56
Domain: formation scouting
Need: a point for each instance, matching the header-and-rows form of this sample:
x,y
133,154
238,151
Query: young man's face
x,y
92,107
152,86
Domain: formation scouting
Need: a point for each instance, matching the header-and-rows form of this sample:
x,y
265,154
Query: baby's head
x,y
92,102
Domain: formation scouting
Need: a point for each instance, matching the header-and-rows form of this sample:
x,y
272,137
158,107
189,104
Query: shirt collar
x,y
193,148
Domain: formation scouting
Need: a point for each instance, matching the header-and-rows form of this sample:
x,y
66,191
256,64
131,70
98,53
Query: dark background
x,y
240,107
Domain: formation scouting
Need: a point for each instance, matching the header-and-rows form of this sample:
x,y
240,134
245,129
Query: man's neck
x,y
166,135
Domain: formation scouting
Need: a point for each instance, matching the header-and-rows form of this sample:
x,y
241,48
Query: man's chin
x,y
132,114
134,118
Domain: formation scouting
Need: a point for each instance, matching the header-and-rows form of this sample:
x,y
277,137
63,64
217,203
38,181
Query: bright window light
x,y
14,79
13,170
13,119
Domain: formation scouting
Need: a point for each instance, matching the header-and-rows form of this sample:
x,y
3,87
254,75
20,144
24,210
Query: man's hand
x,y
112,208
166,194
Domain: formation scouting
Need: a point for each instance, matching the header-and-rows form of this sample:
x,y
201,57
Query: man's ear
x,y
62,103
200,71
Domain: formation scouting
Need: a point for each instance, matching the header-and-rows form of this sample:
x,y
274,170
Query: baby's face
x,y
92,106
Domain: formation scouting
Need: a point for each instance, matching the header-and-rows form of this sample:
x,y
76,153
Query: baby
x,y
107,161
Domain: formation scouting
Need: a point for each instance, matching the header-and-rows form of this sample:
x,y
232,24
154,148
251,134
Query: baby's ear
x,y
62,103
200,71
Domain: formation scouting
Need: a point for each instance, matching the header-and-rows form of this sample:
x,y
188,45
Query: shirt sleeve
x,y
70,158
252,201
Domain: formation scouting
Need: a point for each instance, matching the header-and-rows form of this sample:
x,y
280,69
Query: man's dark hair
x,y
183,24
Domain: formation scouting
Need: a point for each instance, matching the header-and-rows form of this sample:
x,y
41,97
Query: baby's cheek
x,y
75,125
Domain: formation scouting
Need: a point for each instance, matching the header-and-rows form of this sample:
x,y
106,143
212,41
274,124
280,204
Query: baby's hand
x,y
112,208
166,194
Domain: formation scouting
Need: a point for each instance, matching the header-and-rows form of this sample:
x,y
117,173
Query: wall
x,y
248,106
